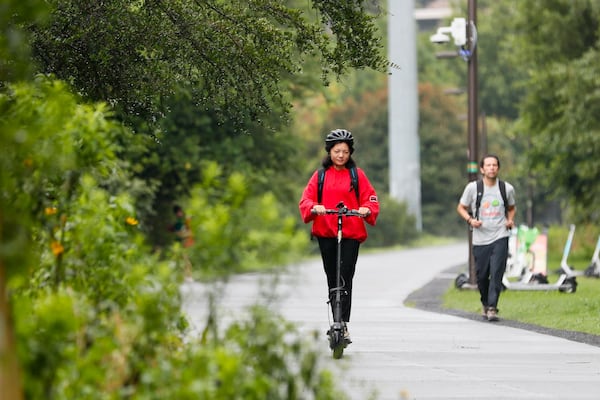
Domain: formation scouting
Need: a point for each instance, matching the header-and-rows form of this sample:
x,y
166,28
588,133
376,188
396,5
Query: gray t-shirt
x,y
491,211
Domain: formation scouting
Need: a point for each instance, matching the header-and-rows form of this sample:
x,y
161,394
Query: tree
x,y
364,116
193,73
14,42
187,140
525,49
234,56
443,150
94,311
14,65
500,87
558,43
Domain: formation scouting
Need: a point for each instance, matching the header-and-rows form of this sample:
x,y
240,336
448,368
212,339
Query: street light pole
x,y
464,33
472,117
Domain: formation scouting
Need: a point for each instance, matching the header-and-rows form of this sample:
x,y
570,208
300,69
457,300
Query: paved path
x,y
403,353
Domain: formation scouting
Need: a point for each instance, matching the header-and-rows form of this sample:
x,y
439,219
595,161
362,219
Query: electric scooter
x,y
593,270
337,341
565,268
566,282
522,260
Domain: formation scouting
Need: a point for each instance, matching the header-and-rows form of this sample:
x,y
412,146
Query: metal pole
x,y
530,191
483,147
472,116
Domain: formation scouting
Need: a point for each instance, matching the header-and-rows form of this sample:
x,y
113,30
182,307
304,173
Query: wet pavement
x,y
401,352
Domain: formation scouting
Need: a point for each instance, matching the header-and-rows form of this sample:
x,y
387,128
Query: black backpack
x,y
353,183
501,186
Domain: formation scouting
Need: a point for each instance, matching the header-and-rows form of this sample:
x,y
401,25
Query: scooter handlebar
x,y
346,212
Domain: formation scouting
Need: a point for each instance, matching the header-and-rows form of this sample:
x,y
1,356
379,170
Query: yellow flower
x,y
131,221
57,248
50,210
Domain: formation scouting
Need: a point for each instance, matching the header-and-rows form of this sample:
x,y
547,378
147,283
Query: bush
x,y
96,315
394,225
236,231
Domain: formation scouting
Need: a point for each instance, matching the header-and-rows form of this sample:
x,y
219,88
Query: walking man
x,y
489,207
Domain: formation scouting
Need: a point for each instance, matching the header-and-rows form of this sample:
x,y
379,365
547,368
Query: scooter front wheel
x,y
336,342
338,351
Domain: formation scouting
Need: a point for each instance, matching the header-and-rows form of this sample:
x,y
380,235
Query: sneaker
x,y
492,314
484,312
347,334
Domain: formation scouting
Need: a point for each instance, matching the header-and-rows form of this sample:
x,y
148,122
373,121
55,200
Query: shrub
x,y
394,225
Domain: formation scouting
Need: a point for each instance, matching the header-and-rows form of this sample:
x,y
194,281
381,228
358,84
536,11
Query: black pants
x,y
328,247
490,263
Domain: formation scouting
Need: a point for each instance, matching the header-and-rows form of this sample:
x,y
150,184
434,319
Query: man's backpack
x,y
353,183
501,186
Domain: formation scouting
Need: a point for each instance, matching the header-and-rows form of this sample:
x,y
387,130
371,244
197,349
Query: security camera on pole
x,y
465,38
458,31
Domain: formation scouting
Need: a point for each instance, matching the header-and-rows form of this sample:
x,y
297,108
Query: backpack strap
x,y
320,185
479,196
353,182
501,186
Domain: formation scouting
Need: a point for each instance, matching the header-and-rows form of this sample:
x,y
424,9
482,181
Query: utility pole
x,y
472,116
464,33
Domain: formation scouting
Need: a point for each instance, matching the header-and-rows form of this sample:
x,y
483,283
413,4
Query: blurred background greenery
x,y
112,112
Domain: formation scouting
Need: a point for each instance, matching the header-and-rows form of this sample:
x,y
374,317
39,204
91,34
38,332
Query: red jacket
x,y
336,188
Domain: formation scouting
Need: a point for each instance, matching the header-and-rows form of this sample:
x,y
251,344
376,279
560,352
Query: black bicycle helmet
x,y
337,136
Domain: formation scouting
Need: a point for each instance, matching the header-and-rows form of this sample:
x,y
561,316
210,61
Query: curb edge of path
x,y
429,298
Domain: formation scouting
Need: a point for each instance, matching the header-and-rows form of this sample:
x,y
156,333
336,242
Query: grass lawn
x,y
578,311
